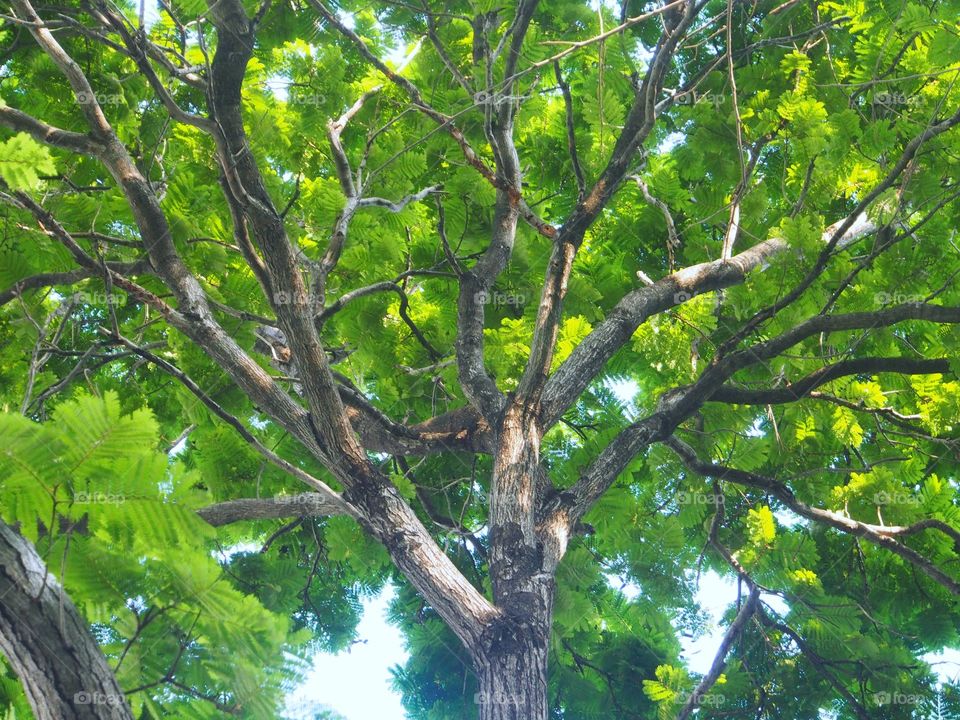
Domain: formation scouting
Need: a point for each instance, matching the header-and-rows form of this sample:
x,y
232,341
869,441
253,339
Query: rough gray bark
x,y
48,644
270,508
512,661
513,673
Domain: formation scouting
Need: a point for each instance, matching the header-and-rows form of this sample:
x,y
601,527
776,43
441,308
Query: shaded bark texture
x,y
48,644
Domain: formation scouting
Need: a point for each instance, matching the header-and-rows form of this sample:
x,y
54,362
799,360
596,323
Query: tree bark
x,y
513,668
49,646
512,662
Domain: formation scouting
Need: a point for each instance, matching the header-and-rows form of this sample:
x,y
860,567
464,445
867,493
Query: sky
x,y
356,681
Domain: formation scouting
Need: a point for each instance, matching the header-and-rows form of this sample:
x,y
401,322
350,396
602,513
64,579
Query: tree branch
x,y
48,134
46,280
792,392
275,508
329,497
839,232
733,633
818,663
637,127
680,403
588,358
443,121
571,133
396,207
383,512
880,535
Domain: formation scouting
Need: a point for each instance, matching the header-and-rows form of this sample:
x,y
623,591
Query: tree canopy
x,y
512,305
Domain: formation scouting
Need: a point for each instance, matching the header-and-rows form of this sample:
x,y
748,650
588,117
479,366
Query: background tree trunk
x,y
47,643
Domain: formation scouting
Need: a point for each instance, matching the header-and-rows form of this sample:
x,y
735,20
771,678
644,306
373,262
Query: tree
x,y
570,294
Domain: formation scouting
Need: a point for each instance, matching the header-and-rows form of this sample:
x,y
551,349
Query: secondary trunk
x,y
47,643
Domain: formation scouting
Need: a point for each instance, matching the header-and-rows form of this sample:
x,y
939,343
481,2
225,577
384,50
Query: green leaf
x,y
846,427
763,527
23,160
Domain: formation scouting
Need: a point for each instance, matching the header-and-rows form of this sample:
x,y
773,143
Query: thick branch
x,y
637,127
45,280
330,497
48,134
835,323
383,512
461,430
330,427
475,284
801,388
679,404
588,358
193,316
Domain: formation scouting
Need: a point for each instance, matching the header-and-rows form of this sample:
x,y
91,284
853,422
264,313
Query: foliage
x,y
87,471
167,598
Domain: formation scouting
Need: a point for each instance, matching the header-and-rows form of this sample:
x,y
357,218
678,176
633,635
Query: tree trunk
x,y
513,675
512,661
47,643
